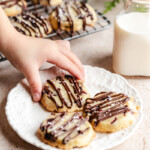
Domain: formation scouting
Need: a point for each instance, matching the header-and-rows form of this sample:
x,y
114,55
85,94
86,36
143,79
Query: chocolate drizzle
x,y
69,17
81,9
10,3
63,130
74,97
32,24
106,105
114,120
48,2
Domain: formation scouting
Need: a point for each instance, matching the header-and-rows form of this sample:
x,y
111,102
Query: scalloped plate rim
x,y
115,144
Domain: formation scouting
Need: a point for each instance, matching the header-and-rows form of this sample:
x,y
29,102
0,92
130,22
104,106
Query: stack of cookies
x,y
75,117
67,16
13,7
31,24
72,16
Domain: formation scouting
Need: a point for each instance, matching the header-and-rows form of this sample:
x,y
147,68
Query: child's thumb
x,y
33,77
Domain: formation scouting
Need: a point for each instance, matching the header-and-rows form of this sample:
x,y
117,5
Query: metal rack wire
x,y
101,24
2,58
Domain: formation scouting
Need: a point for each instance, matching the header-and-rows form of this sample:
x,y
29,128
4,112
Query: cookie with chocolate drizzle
x,y
66,130
13,7
32,24
110,112
72,16
64,94
47,2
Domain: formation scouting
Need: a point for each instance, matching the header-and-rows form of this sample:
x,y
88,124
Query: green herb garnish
x,y
109,5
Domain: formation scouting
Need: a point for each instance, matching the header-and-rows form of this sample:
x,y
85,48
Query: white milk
x,y
131,54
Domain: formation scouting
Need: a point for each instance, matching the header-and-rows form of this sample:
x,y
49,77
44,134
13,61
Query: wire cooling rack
x,y
2,58
101,24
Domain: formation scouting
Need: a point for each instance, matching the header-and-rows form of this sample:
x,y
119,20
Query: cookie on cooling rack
x,y
66,131
32,24
64,94
13,7
110,112
48,2
72,16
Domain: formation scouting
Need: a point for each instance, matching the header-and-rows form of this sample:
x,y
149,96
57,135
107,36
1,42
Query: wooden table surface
x,y
94,50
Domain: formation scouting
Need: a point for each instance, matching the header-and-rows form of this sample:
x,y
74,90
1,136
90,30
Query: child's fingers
x,y
64,63
63,44
33,78
74,59
64,48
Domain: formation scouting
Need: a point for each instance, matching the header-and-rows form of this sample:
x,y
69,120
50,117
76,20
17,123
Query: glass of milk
x,y
131,52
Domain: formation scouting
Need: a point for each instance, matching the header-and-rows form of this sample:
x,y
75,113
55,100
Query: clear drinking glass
x,y
131,52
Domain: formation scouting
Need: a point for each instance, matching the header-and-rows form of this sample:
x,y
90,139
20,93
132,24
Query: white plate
x,y
26,116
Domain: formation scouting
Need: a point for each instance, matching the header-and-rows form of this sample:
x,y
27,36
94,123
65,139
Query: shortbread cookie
x,y
13,7
32,24
66,131
72,16
48,2
110,112
64,94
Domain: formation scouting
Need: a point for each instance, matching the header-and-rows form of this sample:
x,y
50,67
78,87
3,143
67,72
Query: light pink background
x,y
94,50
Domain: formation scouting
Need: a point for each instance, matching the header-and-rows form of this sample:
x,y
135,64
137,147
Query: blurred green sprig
x,y
109,5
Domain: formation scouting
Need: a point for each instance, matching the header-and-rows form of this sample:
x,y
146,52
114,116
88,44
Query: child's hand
x,y
28,54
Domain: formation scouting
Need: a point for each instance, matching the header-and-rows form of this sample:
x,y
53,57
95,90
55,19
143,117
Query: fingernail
x,y
82,70
36,96
83,73
82,78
